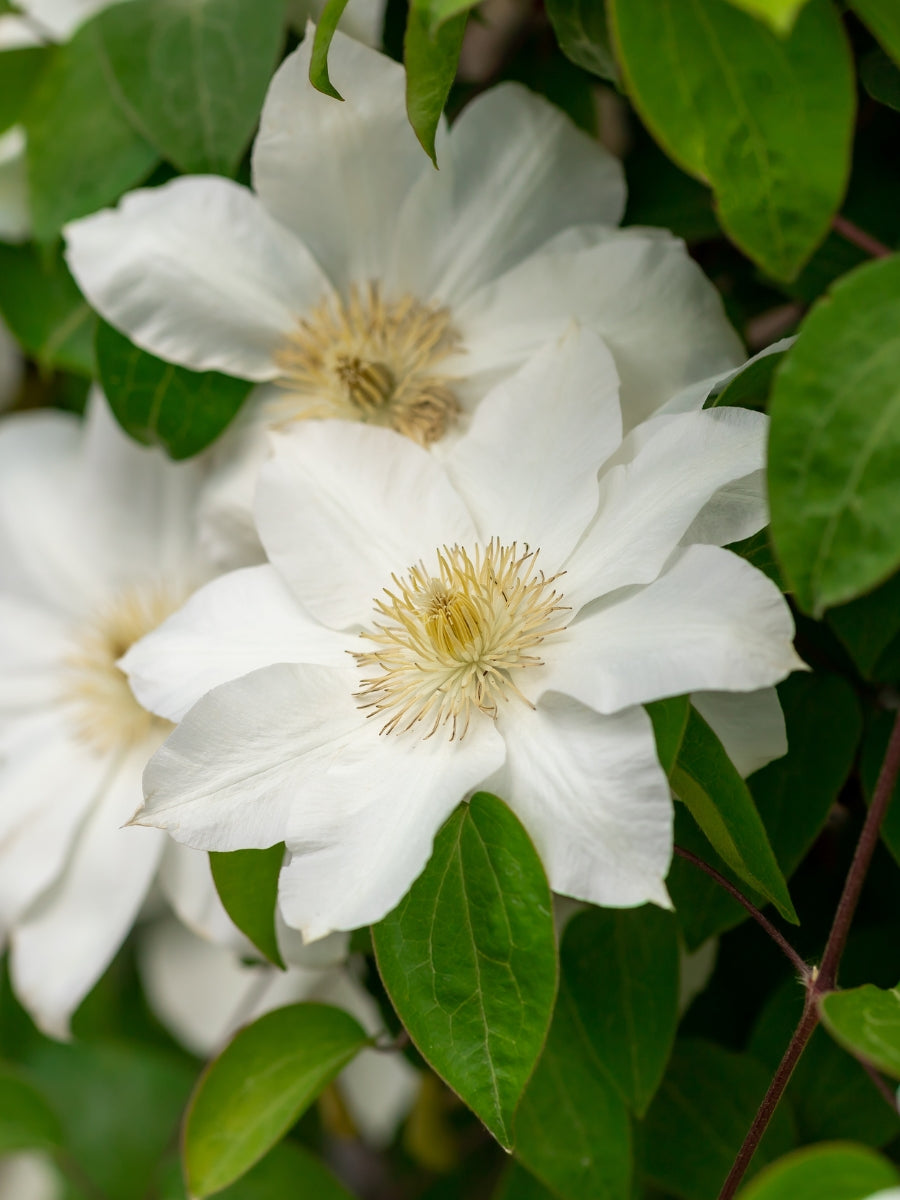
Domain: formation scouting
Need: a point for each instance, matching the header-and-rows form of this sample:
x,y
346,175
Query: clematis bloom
x,y
424,629
364,285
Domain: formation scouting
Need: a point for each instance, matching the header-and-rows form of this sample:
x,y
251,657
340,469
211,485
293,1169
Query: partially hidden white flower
x,y
58,20
203,992
424,629
361,19
98,545
31,1175
367,286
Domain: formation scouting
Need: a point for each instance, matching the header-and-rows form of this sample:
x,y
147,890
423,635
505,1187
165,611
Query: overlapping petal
x,y
197,272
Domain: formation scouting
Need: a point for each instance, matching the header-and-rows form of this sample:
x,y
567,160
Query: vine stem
x,y
779,940
859,237
825,978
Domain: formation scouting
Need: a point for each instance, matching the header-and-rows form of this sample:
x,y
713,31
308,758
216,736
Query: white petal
x,y
62,17
342,506
647,505
48,783
361,19
64,944
225,513
42,538
187,883
750,725
232,626
378,1088
16,33
659,315
362,830
498,195
202,992
337,173
528,463
197,272
591,793
31,1175
33,644
227,778
709,623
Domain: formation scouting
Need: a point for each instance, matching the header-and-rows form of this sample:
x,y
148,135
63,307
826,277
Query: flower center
x,y
452,642
103,708
372,360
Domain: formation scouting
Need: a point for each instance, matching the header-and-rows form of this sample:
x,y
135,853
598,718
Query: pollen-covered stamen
x,y
103,709
369,359
451,642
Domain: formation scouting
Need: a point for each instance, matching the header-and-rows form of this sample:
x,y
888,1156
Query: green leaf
x,y
469,959
766,121
874,747
82,151
264,1079
670,721
247,883
192,74
705,778
19,71
757,550
318,62
881,78
435,12
823,723
883,18
289,1172
572,1128
750,388
780,14
160,404
869,627
835,441
840,1171
866,1021
519,1184
430,62
621,970
43,307
583,35
126,1097
829,1093
27,1122
700,1116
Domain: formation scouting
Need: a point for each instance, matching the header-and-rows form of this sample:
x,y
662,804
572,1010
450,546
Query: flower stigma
x,y
450,643
103,708
372,360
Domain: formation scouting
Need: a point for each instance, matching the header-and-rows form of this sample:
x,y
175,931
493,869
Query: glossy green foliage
x,y
696,1124
83,152
247,883
866,1021
264,1079
869,628
721,803
435,12
125,1096
881,78
874,746
318,63
835,442
735,105
621,970
192,74
839,1171
750,388
469,960
780,14
431,60
45,310
19,72
160,404
883,18
572,1128
670,720
27,1122
583,34
793,795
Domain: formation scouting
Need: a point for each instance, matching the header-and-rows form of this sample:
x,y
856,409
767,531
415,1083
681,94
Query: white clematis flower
x,y
204,992
367,286
97,541
426,629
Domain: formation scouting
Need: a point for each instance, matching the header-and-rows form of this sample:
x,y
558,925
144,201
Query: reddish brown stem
x,y
779,940
859,237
